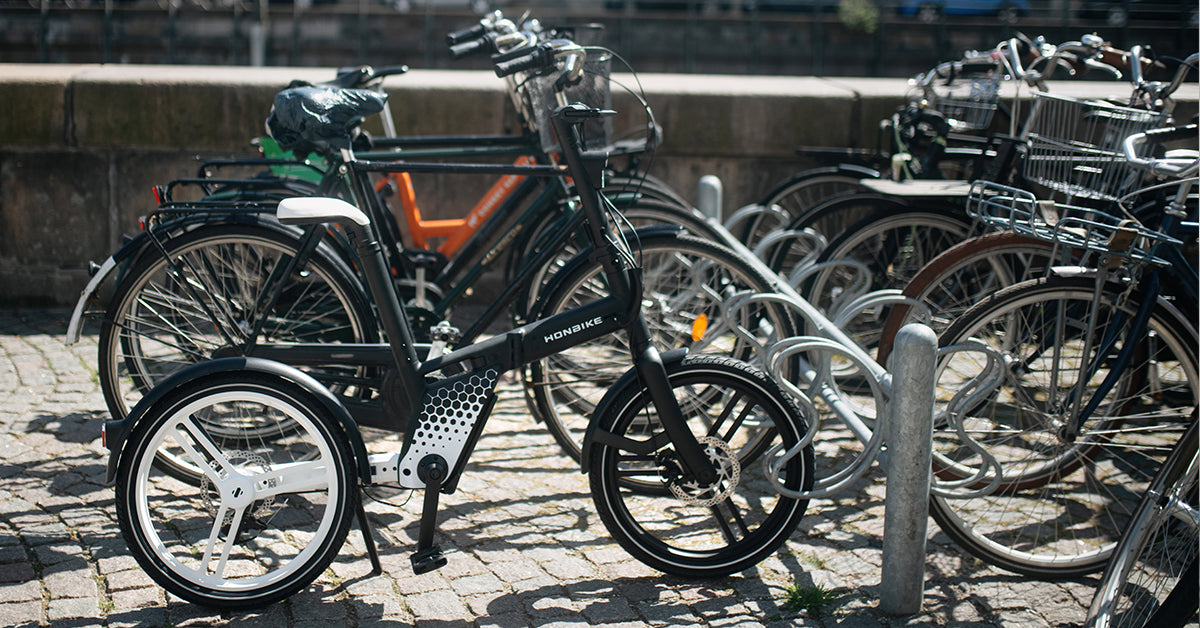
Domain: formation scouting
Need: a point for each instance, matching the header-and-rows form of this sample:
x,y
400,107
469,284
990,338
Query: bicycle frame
x,y
435,466
1182,283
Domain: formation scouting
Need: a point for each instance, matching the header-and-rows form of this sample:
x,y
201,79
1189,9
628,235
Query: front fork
x,y
653,375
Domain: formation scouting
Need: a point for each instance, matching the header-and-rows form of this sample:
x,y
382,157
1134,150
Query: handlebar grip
x,y
391,70
540,57
513,54
457,37
468,48
1170,134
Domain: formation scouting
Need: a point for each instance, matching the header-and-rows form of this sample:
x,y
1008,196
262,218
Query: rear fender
x,y
116,431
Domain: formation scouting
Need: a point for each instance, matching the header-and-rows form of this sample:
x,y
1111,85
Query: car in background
x,y
792,6
1119,13
932,10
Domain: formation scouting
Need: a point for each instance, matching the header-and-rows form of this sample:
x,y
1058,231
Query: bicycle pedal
x,y
427,560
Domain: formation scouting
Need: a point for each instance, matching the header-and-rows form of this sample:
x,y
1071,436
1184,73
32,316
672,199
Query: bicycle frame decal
x,y
574,329
448,426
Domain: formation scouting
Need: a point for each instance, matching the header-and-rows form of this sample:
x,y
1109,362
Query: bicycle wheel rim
x,y
158,325
1061,504
684,280
694,539
1158,553
207,543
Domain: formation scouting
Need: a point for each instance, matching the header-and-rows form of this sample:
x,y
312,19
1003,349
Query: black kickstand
x,y
432,470
368,535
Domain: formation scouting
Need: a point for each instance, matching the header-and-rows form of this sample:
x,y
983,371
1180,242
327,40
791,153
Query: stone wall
x,y
82,145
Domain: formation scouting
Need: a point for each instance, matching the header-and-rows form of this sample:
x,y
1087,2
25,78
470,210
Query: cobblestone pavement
x,y
527,547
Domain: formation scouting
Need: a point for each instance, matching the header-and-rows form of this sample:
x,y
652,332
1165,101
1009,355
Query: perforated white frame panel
x,y
449,412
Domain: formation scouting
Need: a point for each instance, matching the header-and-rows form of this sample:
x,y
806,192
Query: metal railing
x,y
877,39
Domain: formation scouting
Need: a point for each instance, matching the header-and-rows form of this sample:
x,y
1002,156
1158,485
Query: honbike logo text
x,y
576,328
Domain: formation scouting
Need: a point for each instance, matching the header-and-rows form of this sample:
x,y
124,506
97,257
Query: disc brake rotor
x,y
729,471
254,518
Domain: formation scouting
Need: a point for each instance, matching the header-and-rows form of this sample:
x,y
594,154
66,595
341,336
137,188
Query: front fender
x,y
115,432
669,359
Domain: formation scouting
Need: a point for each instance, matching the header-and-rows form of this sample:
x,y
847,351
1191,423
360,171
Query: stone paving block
x,y
55,553
377,607
544,606
137,598
70,584
316,607
525,544
20,591
675,613
568,568
475,585
12,553
17,572
440,605
505,620
572,622
609,611
370,586
21,613
128,579
496,603
424,583
73,608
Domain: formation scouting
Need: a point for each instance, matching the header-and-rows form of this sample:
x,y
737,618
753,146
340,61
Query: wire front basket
x,y
593,90
969,102
1075,146
1074,227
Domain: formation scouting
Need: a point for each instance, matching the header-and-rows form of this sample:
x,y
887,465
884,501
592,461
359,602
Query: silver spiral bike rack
x,y
899,434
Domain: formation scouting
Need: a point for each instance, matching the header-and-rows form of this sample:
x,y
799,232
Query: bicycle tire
x,y
670,530
683,278
156,324
830,218
1151,578
646,187
271,543
894,246
962,275
634,215
799,194
1060,504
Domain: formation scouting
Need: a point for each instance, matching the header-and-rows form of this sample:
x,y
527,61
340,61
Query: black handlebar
x,y
481,45
473,32
361,76
508,55
540,56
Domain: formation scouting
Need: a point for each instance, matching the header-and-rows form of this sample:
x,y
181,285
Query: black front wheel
x,y
669,521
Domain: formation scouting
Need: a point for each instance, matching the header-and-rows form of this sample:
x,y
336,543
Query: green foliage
x,y
813,599
859,15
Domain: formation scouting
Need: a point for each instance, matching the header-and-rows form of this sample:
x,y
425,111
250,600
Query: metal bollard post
x,y
909,452
708,199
